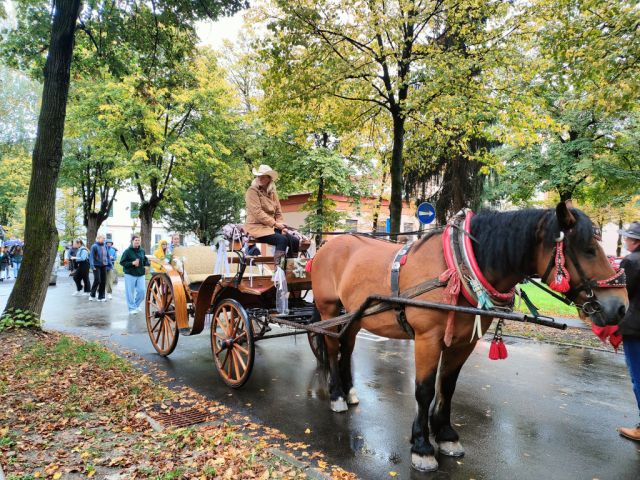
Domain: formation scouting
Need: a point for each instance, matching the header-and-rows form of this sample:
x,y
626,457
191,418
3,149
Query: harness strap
x,y
399,260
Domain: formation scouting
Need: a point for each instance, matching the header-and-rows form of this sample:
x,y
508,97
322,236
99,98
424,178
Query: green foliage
x,y
14,318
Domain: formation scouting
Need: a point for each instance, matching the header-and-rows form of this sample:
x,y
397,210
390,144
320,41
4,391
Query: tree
x,y
205,199
390,58
69,215
39,30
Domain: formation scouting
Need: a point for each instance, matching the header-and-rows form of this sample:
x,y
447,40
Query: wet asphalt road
x,y
545,412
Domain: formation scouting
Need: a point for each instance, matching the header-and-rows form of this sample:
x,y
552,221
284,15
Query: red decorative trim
x,y
613,281
505,297
452,268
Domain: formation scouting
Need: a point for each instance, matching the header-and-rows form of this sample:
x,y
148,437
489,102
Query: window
x,y
408,227
157,237
111,211
352,225
382,226
135,209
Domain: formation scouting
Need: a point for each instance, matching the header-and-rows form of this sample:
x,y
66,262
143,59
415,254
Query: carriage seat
x,y
200,261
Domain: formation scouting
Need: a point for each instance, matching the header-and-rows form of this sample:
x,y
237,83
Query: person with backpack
x,y
5,263
100,263
81,275
111,270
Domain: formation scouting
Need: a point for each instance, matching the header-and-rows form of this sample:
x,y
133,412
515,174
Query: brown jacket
x,y
263,212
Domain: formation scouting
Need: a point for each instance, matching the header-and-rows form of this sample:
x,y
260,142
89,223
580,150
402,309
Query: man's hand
x,y
280,226
136,262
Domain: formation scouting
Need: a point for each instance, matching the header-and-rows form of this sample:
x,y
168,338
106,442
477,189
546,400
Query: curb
x,y
312,472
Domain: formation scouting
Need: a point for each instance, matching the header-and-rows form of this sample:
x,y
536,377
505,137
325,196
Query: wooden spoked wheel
x,y
232,343
160,311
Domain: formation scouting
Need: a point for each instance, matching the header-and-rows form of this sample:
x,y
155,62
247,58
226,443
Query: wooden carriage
x,y
184,296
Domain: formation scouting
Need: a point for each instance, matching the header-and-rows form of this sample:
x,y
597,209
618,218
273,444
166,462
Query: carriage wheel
x,y
232,343
316,342
160,310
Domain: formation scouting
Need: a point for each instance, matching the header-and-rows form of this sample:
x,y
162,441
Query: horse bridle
x,y
592,306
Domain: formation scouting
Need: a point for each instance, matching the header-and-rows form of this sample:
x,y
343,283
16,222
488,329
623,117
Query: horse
x,y
509,246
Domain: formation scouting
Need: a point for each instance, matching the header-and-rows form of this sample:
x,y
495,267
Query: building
x,y
359,215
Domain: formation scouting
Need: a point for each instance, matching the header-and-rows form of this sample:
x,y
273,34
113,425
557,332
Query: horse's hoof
x,y
352,397
339,405
451,449
428,463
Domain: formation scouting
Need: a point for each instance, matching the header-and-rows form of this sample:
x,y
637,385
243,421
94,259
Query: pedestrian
x,y
111,269
630,325
161,254
5,263
81,262
100,261
16,258
264,215
73,251
133,261
175,242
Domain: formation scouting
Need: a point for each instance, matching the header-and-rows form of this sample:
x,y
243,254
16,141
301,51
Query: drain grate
x,y
180,419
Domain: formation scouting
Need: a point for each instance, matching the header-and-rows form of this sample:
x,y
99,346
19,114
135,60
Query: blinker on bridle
x,y
561,281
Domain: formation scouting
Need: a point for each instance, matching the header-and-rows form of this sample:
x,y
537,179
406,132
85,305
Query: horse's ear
x,y
566,220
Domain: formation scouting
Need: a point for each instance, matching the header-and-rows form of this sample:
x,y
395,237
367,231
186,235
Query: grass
x,y
546,303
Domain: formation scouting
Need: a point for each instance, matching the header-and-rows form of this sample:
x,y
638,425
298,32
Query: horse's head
x,y
571,261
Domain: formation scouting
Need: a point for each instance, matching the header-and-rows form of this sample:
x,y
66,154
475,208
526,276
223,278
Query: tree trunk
x,y
41,235
376,208
619,243
397,168
146,223
319,209
92,228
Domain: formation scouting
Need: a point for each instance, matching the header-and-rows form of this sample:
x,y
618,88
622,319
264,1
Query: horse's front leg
x,y
446,437
427,355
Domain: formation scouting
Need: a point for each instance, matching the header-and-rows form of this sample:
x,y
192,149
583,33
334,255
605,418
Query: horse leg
x,y
337,396
347,343
427,355
450,366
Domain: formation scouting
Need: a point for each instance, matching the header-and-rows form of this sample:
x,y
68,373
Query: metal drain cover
x,y
180,419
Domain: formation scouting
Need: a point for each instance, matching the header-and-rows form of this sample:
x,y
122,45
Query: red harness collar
x,y
464,263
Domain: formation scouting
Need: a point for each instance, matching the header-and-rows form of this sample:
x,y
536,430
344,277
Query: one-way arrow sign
x,y
426,213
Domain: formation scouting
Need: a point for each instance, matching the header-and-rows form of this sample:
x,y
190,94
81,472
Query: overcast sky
x,y
213,33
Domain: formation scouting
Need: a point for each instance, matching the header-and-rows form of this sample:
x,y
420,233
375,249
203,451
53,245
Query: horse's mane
x,y
506,241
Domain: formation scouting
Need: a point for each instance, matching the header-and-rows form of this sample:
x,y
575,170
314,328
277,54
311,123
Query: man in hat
x,y
264,215
630,324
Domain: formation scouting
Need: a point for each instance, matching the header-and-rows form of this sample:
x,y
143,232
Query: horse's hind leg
x,y
347,343
446,437
427,355
327,311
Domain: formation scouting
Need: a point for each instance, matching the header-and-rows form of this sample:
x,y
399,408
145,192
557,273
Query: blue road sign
x,y
426,213
388,226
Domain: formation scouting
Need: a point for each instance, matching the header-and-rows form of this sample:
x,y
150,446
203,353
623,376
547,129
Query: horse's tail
x,y
320,350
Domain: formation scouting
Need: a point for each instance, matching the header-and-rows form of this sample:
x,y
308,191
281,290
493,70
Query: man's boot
x,y
279,259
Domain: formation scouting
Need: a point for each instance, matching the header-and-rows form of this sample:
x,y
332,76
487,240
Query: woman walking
x,y
81,275
16,258
100,263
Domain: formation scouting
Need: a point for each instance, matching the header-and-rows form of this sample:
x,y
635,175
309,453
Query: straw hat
x,y
266,170
632,232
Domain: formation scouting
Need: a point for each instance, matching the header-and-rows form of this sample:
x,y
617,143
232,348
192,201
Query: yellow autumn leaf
x,y
322,464
308,430
393,474
91,473
56,475
37,475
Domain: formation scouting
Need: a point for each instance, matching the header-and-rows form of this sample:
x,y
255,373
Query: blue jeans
x,y
135,290
16,268
632,355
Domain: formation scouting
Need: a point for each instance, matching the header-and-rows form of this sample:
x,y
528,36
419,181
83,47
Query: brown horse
x,y
509,246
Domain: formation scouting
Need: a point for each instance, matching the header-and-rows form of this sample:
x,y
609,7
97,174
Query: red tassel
x,y
494,350
307,267
502,350
562,286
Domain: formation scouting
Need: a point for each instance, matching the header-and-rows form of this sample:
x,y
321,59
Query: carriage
x,y
239,304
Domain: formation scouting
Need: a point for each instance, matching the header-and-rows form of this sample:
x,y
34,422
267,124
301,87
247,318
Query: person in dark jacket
x,y
133,261
100,262
630,324
81,261
5,263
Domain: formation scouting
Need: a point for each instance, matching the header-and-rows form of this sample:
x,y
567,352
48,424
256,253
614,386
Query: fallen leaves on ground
x,y
72,409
